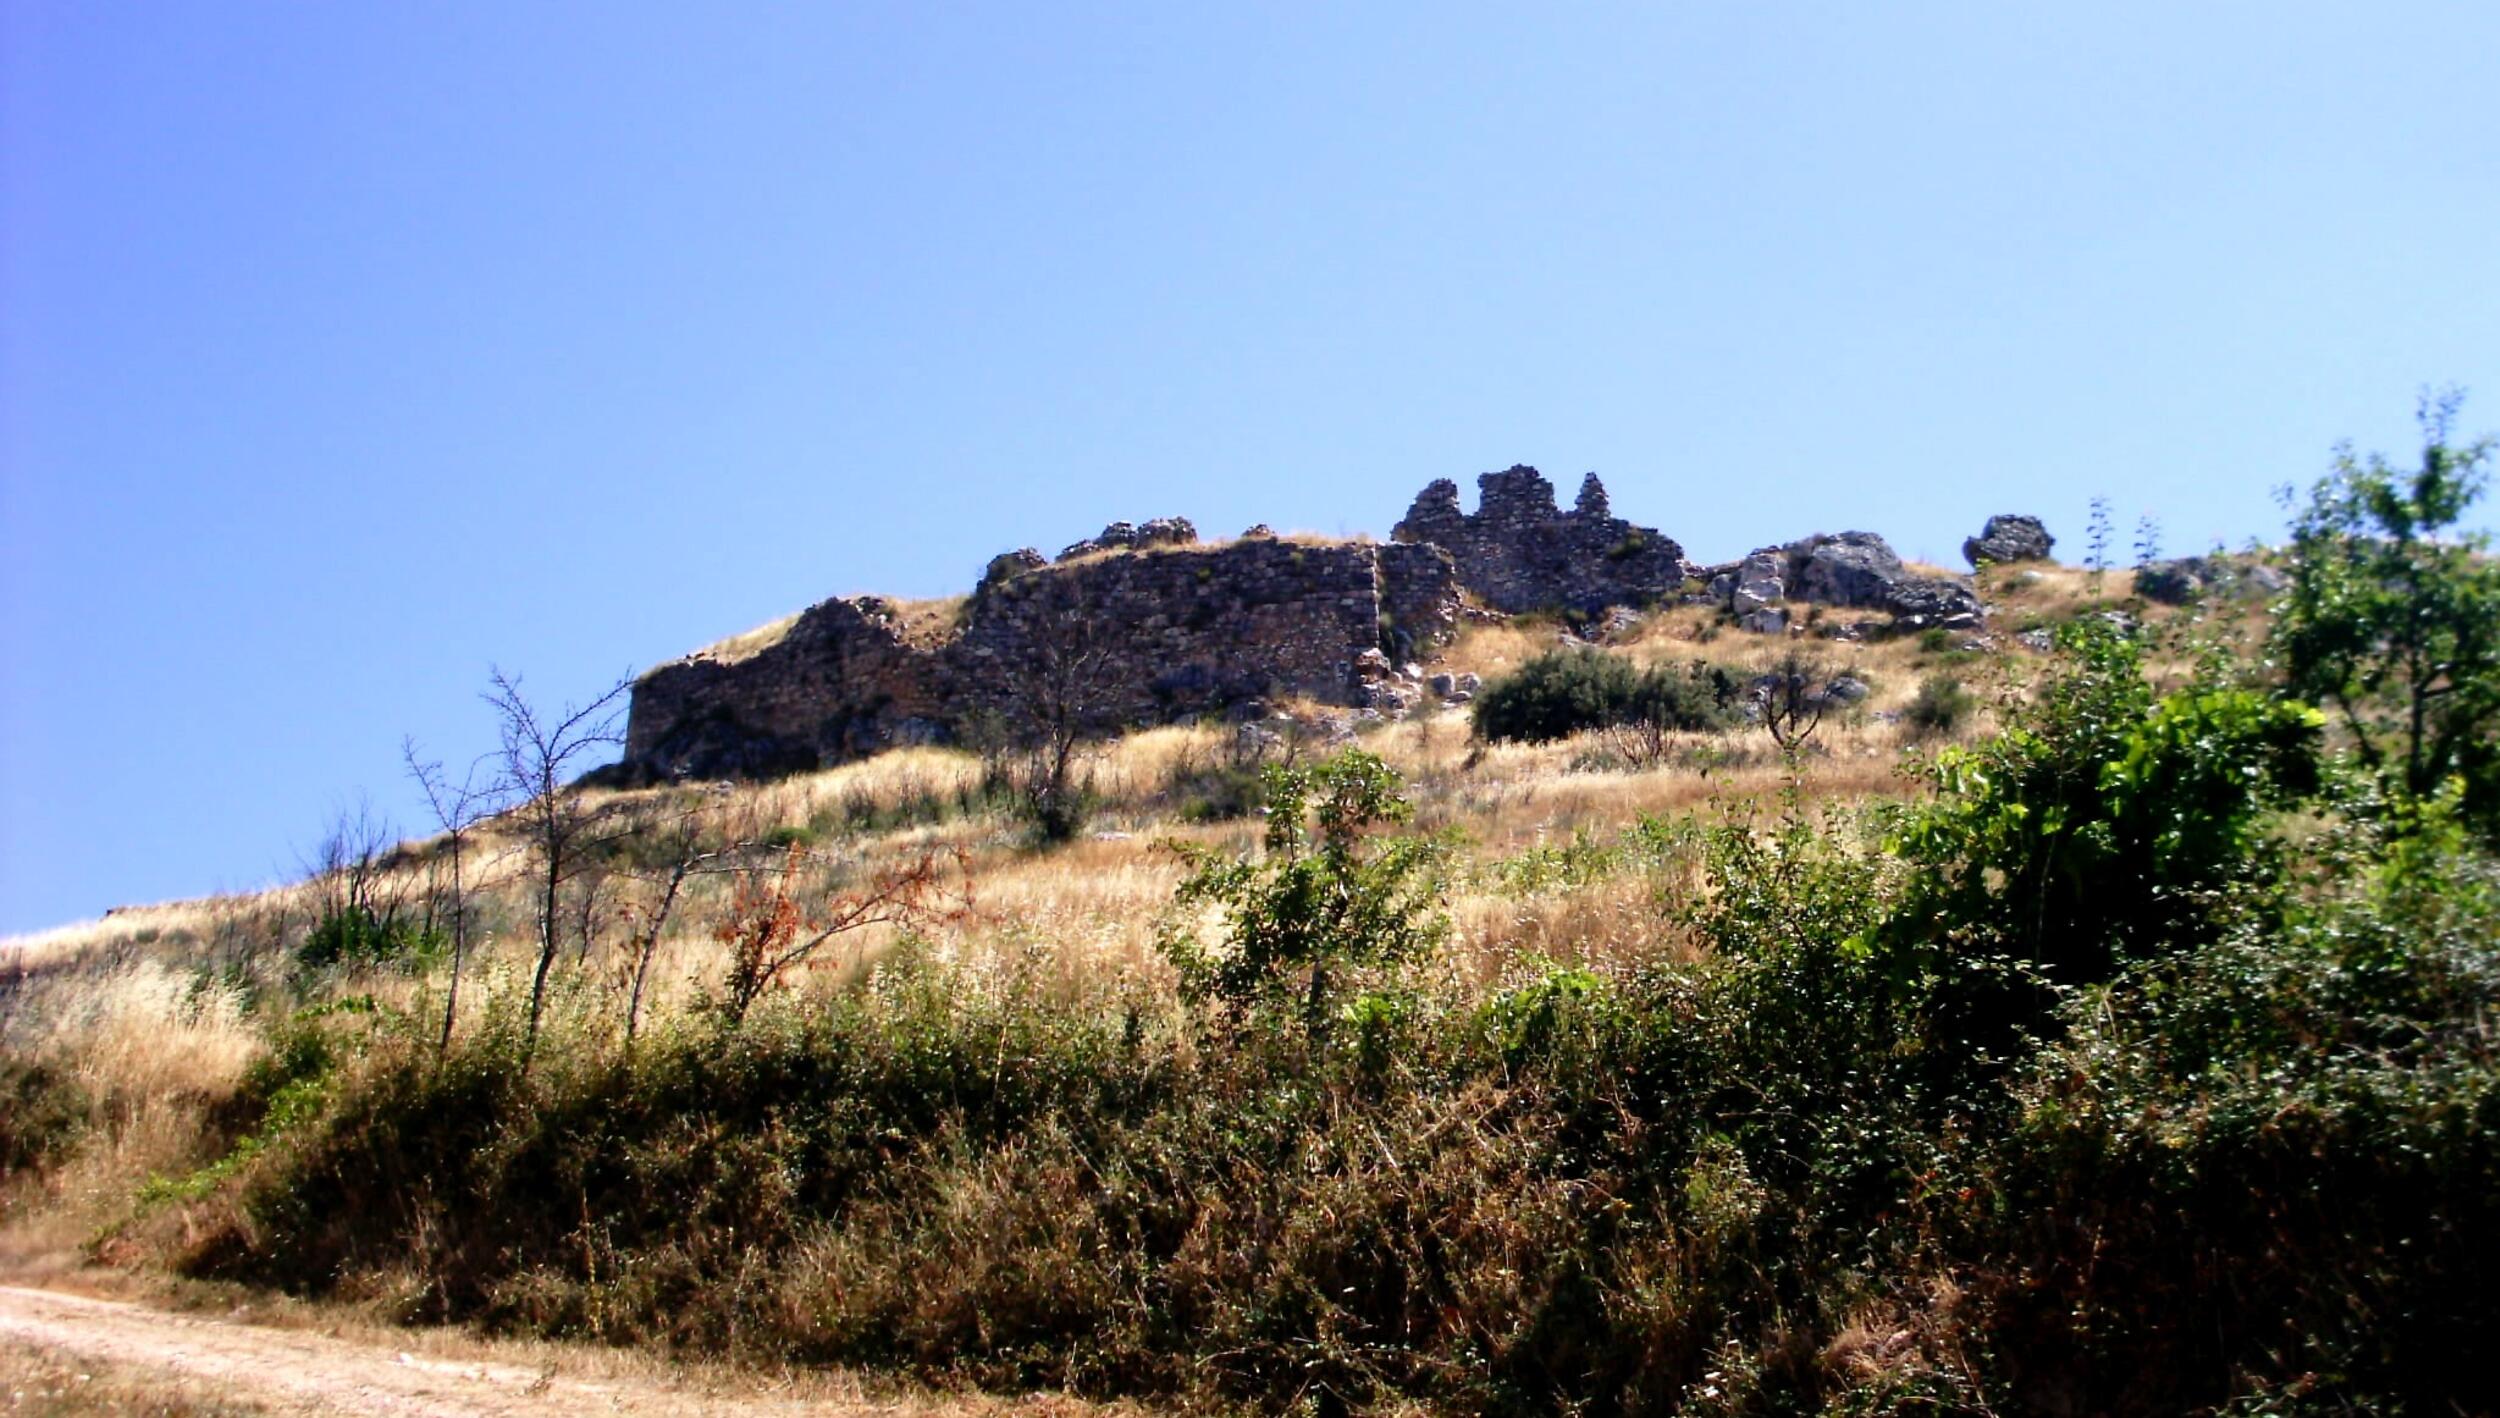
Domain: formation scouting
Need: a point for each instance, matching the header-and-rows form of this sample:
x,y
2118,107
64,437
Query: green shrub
x,y
2085,1096
1564,692
1329,900
1942,705
359,935
43,1113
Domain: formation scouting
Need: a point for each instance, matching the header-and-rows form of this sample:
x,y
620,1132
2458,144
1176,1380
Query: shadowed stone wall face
x,y
1135,636
1156,635
843,682
1520,552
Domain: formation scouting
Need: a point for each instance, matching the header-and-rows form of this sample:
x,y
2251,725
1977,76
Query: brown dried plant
x,y
768,933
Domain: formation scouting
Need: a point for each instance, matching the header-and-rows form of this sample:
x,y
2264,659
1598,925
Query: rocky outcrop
x,y
2182,579
841,682
2006,539
1856,570
1143,623
1519,551
1130,536
1135,637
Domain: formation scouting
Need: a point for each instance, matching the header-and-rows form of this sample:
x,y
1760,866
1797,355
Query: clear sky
x,y
346,350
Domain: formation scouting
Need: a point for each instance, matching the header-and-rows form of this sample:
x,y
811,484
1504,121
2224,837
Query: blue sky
x,y
348,350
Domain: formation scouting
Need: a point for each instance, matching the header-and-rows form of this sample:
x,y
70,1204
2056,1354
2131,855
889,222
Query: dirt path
x,y
304,1371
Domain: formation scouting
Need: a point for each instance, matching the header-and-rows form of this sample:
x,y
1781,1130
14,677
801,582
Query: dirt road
x,y
252,1367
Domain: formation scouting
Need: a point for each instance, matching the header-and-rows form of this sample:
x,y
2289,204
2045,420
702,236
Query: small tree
x,y
2393,616
769,932
675,849
1665,702
542,753
1793,701
360,898
1069,681
457,809
1332,894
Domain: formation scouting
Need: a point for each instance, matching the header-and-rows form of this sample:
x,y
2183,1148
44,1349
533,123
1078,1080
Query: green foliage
x,y
1220,792
2102,824
2393,616
43,1113
2077,1090
2289,1135
1941,706
1330,895
359,935
1564,692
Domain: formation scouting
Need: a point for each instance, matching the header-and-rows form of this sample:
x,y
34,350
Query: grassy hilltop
x,y
2095,1016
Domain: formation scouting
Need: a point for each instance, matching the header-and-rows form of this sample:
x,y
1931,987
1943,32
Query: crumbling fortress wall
x,y
1144,624
1114,635
1520,552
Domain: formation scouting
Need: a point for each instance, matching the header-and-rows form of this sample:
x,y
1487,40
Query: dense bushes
x,y
2143,1065
1564,692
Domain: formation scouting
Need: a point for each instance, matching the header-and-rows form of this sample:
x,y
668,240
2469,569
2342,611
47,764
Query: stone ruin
x,y
1118,633
1520,552
1845,570
1145,624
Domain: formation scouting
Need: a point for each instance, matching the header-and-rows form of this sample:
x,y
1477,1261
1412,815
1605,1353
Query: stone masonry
x,y
1520,552
1144,624
1140,635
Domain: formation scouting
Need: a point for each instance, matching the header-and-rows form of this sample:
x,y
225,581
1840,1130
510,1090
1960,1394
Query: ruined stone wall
x,y
1419,597
1172,633
1519,551
841,682
1132,636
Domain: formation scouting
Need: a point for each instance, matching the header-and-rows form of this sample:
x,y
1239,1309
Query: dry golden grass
x,y
930,621
747,644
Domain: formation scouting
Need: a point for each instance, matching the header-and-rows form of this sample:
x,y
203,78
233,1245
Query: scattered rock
x,y
2179,580
1847,569
1764,620
2008,538
2042,639
1444,684
1128,536
1933,600
1848,689
1008,565
1259,532
1757,582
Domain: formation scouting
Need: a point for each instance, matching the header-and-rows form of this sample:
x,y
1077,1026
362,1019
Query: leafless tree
x,y
542,752
457,808
1064,698
1793,702
357,897
678,849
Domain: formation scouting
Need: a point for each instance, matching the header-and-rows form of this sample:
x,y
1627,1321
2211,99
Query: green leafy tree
x,y
1334,895
2104,824
2393,616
